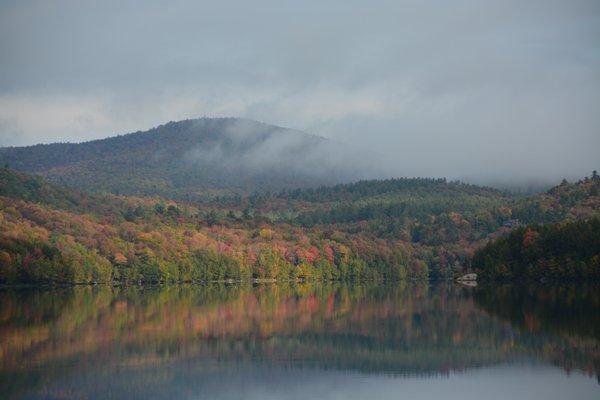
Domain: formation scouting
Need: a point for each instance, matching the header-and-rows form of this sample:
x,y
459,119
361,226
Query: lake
x,y
301,341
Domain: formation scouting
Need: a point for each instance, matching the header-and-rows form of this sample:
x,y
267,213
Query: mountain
x,y
196,158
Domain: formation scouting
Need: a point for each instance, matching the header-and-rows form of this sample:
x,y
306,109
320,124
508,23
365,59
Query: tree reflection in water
x,y
393,329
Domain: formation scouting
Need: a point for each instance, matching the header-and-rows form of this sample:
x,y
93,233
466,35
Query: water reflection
x,y
560,324
212,341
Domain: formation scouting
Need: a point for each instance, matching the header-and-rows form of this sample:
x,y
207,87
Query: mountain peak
x,y
193,157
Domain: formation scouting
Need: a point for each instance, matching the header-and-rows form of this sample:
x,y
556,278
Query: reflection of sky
x,y
193,381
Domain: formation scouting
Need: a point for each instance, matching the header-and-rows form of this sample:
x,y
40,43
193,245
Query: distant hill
x,y
567,201
196,158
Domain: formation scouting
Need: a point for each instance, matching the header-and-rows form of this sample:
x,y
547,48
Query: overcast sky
x,y
492,89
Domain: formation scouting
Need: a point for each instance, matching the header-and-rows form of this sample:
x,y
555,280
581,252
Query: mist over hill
x,y
196,158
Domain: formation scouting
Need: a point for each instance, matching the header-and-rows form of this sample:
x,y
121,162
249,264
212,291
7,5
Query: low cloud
x,y
504,90
255,148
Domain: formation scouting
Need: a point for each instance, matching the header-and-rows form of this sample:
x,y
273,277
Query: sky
x,y
477,90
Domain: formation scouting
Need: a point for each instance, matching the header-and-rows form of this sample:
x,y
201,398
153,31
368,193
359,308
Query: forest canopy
x,y
415,228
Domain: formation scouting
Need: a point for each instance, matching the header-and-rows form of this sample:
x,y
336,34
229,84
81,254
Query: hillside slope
x,y
388,229
44,237
34,189
560,241
566,251
195,158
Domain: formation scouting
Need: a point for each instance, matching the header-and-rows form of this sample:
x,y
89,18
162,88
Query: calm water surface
x,y
304,341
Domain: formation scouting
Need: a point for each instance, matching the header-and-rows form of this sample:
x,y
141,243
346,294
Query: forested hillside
x,y
195,159
129,239
563,241
34,189
387,229
566,251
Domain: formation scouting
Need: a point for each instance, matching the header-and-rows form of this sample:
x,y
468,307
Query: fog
x,y
246,147
490,92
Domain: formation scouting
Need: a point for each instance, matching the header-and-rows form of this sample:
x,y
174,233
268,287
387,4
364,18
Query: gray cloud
x,y
465,89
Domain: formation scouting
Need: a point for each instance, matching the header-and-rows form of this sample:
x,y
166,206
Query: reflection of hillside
x,y
558,323
412,329
361,320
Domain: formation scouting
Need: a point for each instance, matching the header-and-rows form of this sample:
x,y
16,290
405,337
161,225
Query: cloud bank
x,y
487,91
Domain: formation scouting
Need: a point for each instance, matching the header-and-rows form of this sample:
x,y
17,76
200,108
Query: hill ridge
x,y
195,157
